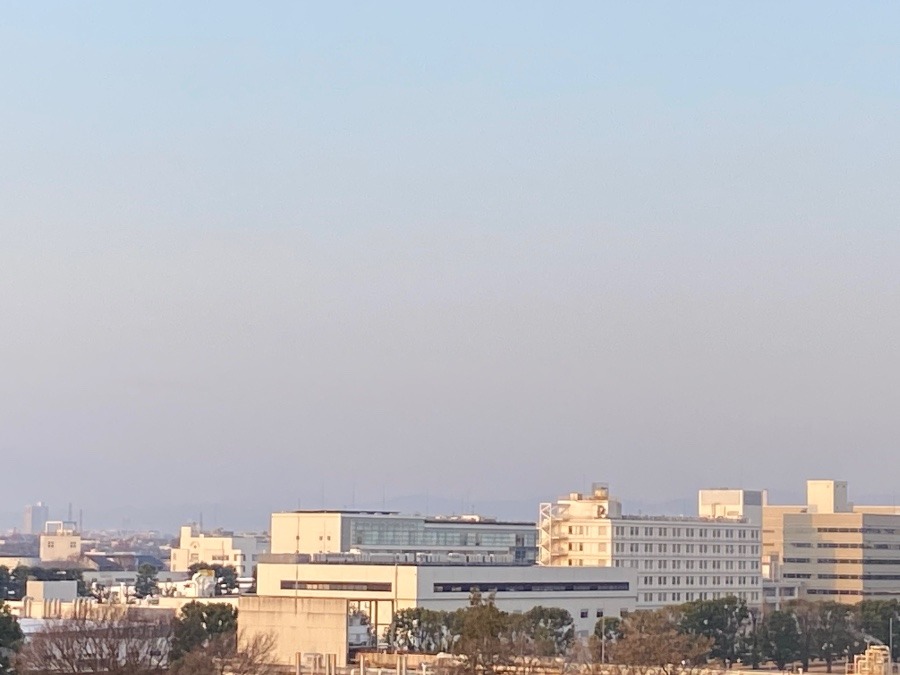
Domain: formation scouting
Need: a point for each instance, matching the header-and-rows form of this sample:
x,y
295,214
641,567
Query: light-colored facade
x,y
390,532
832,549
676,559
59,542
379,590
36,515
217,548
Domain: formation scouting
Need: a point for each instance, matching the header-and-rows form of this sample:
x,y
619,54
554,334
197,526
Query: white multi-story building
x,y
217,548
391,532
677,559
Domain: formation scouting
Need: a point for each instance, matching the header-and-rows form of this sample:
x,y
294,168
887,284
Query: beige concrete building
x,y
217,548
59,543
300,625
832,549
676,559
390,532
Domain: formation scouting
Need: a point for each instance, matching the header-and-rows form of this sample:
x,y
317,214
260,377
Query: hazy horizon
x,y
484,253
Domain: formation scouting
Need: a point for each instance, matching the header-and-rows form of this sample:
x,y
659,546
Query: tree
x,y
806,618
11,637
5,583
782,638
550,630
481,634
836,632
606,631
875,620
420,630
652,638
247,656
107,640
145,583
199,624
724,621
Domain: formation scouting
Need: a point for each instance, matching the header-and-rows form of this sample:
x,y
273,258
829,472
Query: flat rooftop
x,y
468,519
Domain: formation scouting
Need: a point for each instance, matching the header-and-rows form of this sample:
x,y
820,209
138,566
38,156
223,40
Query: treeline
x,y
725,631
541,631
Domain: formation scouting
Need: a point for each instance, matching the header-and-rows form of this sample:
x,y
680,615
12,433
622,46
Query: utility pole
x,y
602,636
891,641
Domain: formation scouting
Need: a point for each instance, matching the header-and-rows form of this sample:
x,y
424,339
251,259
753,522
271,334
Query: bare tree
x,y
652,638
98,639
234,655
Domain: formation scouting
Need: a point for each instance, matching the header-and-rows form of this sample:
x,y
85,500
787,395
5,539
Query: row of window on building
x,y
686,549
727,580
687,532
678,596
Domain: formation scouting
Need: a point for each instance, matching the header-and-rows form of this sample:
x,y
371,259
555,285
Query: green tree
x,y
145,583
875,619
806,616
5,582
724,621
550,630
481,634
11,637
836,631
199,623
420,630
782,638
606,631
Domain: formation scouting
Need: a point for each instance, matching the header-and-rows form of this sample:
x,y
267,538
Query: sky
x,y
459,256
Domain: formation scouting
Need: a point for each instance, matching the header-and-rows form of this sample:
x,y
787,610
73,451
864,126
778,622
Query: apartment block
x,y
676,559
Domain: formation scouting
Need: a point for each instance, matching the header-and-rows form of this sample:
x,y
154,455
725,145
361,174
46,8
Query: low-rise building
x,y
377,586
59,542
218,548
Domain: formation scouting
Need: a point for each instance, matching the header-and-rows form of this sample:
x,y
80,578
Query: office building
x,y
831,549
36,515
677,559
390,532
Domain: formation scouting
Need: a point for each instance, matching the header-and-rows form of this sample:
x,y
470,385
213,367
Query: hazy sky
x,y
261,254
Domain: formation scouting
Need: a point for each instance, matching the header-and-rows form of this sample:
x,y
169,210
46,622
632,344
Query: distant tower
x,y
36,515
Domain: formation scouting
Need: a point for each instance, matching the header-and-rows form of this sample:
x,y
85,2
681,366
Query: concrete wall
x,y
51,590
305,625
307,533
